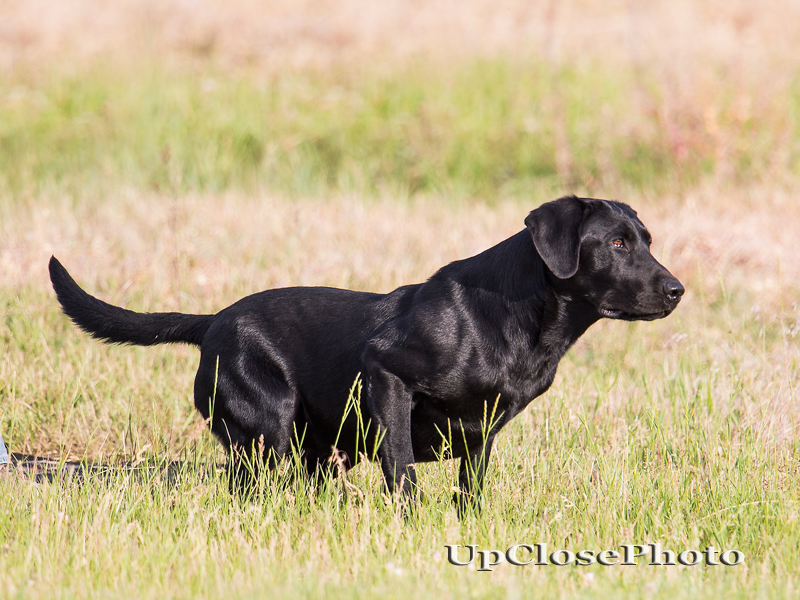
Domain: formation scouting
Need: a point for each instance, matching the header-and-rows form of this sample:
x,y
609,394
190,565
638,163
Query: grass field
x,y
179,158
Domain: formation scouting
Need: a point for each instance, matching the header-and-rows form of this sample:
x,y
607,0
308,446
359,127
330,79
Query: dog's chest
x,y
527,368
506,386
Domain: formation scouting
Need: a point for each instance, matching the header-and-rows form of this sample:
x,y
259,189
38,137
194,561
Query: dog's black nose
x,y
673,289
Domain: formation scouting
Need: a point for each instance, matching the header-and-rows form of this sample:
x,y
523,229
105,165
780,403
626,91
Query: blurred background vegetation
x,y
465,100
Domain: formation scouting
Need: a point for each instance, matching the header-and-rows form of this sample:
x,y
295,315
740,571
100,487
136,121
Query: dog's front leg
x,y
470,478
389,402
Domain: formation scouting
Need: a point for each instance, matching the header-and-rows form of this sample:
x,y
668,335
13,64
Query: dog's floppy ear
x,y
556,229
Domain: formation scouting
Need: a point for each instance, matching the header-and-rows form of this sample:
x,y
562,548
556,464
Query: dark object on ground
x,y
40,469
445,363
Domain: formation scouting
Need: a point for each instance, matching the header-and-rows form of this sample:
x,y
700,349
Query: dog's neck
x,y
525,318
563,321
514,272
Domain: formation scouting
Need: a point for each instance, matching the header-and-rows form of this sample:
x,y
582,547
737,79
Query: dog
x,y
444,364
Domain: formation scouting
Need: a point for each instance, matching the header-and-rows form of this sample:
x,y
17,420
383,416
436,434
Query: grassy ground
x,y
177,159
681,431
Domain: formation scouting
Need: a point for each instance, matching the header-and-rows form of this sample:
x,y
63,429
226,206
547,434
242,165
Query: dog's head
x,y
599,251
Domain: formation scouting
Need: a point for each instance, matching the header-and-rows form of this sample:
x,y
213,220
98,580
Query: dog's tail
x,y
120,326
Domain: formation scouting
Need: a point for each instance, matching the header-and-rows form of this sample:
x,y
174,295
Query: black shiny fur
x,y
483,336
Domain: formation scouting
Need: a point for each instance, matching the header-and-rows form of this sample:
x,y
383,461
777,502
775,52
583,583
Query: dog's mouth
x,y
610,313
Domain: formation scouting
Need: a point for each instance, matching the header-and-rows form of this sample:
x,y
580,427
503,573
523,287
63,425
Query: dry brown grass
x,y
683,36
203,250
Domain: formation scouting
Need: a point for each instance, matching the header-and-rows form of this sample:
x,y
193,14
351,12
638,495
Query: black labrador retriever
x,y
445,364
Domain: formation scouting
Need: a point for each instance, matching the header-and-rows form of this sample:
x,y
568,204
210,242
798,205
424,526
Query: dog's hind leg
x,y
251,407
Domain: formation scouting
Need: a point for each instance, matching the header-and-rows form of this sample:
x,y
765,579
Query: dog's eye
x,y
618,243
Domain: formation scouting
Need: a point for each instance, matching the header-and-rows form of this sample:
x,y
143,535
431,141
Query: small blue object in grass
x,y
3,451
